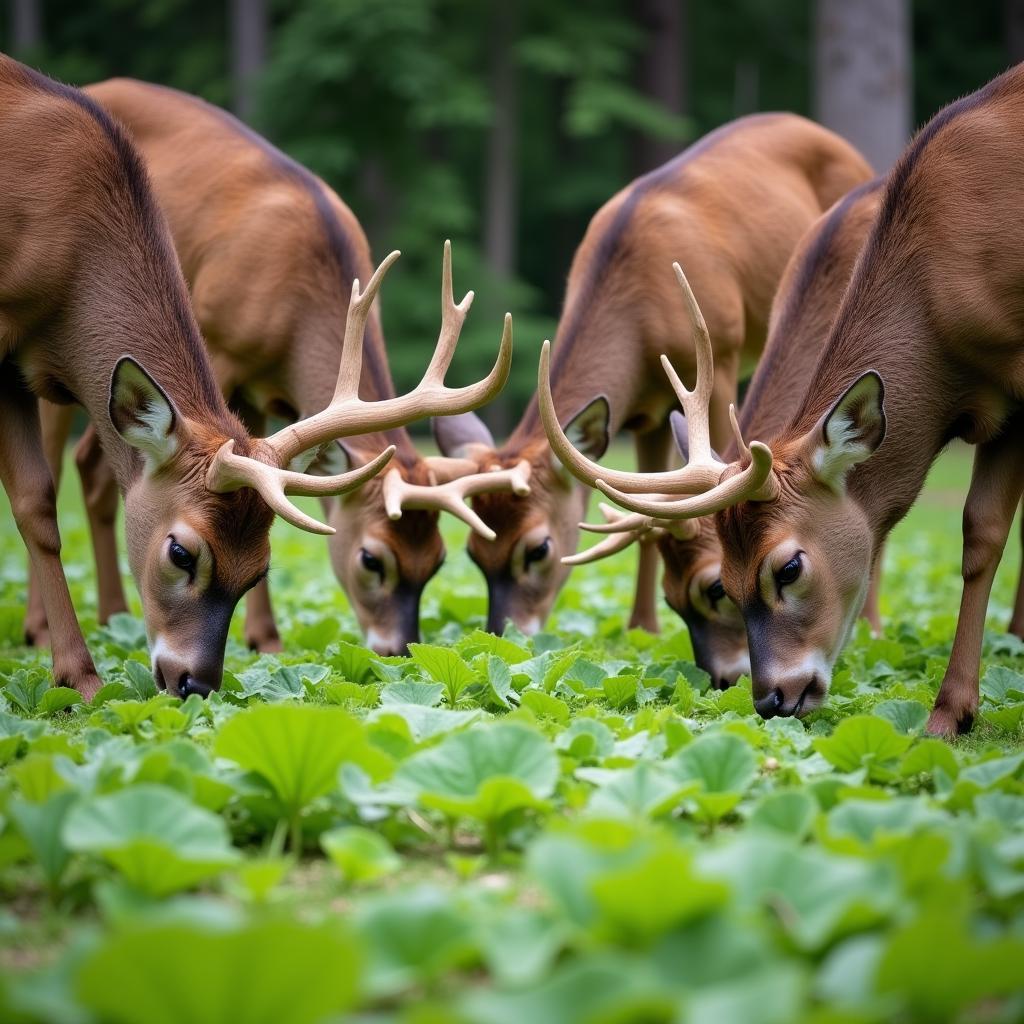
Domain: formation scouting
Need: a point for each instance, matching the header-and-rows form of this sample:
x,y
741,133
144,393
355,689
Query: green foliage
x,y
260,972
489,830
157,840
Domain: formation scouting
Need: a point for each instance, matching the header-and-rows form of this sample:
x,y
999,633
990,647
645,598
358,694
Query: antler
x,y
348,414
702,475
450,496
230,472
627,528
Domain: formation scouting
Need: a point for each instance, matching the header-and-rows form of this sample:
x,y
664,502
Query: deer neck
x,y
886,330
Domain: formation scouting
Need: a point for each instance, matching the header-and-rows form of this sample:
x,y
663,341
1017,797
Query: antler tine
x,y
756,482
348,414
618,522
230,472
359,307
453,316
609,546
690,480
695,403
399,494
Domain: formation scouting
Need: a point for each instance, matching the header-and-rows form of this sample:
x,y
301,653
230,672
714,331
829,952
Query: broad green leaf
x,y
544,705
413,936
263,972
484,772
58,698
641,900
41,825
361,854
937,964
445,666
721,762
926,755
909,716
862,741
643,791
596,989
790,812
296,748
158,840
1002,685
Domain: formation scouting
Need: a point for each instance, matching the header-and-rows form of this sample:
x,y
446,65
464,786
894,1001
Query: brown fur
x,y
270,252
87,275
935,307
809,294
730,210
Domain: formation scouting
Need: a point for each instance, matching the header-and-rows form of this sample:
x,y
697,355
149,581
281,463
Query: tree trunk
x,y
26,26
862,74
1013,18
248,52
503,144
661,73
501,202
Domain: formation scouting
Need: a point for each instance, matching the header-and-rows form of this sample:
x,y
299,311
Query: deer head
x,y
198,515
796,548
530,532
387,546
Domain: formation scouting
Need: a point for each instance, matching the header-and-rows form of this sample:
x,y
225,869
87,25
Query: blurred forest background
x,y
504,125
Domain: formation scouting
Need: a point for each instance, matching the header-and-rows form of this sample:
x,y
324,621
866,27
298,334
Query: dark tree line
x,y
504,125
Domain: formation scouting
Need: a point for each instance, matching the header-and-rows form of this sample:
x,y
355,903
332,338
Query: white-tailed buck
x,y
732,207
928,346
94,310
269,253
802,313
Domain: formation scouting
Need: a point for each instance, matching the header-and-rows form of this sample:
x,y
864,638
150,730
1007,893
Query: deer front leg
x,y
261,632
99,489
652,455
56,426
26,479
996,485
1017,618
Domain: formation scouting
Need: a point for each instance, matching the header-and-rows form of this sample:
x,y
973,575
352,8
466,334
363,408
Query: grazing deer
x,y
732,207
806,303
927,346
94,310
269,252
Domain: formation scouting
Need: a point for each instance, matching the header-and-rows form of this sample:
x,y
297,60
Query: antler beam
x,y
348,414
450,496
703,477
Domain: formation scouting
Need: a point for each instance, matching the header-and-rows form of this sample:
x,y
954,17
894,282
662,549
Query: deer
x,y
926,347
269,252
94,310
733,207
809,294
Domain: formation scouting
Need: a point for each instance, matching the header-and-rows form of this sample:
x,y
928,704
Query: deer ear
x,y
587,431
681,435
850,431
143,414
457,435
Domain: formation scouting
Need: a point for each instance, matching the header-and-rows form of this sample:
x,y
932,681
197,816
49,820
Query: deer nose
x,y
770,706
187,685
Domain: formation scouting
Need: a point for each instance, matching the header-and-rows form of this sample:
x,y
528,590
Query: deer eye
x,y
538,553
182,558
790,572
371,563
716,592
